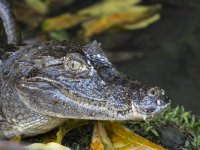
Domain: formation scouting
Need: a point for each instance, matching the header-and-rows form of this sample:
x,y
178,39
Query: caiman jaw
x,y
126,114
91,105
133,111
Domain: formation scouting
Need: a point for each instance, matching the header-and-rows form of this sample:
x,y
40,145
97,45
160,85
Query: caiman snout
x,y
142,103
150,100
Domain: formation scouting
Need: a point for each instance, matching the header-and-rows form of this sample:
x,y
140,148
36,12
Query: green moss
x,y
177,117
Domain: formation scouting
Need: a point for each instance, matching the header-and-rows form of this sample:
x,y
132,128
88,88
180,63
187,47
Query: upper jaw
x,y
87,102
130,112
108,113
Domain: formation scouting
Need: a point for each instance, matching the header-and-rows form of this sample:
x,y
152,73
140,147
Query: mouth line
x,y
85,102
156,111
92,104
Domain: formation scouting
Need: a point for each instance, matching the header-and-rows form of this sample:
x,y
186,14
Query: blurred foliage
x,y
182,118
38,6
105,15
97,18
176,117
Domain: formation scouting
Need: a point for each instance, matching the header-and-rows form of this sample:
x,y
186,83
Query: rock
x,y
171,137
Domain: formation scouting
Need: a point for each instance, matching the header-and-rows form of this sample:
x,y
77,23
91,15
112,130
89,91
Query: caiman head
x,y
69,81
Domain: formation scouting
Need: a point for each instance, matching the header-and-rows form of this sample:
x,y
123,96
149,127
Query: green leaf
x,y
149,128
155,132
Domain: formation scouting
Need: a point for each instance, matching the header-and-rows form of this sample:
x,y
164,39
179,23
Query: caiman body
x,y
43,85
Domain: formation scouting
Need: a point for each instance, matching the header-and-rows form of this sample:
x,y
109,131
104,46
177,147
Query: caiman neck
x,y
23,120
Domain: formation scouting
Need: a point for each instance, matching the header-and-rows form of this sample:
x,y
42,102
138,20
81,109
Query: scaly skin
x,y
42,86
11,29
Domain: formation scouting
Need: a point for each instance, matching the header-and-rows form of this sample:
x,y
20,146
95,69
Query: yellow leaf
x,y
61,22
96,146
108,7
134,17
123,139
49,146
143,23
100,140
16,139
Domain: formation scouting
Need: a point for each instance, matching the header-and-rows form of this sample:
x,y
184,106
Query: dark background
x,y
167,53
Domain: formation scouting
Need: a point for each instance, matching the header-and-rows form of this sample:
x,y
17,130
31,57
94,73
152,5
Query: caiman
x,y
43,85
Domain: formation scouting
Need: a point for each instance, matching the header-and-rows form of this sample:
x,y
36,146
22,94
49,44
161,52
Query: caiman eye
x,y
75,65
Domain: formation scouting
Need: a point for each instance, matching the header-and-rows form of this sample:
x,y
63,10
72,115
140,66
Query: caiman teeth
x,y
158,102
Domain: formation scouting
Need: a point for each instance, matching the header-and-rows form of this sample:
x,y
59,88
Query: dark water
x,y
167,53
